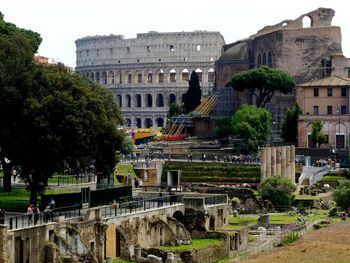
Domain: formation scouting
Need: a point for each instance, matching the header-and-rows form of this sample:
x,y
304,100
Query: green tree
x,y
290,124
17,48
174,110
253,125
278,190
318,137
193,95
341,195
262,83
223,126
127,146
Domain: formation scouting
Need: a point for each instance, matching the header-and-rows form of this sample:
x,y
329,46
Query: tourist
x,y
115,204
2,216
140,183
30,213
137,183
160,200
36,212
14,174
52,203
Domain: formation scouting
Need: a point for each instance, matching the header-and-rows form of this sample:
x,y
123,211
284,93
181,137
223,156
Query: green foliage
x,y
15,201
253,125
341,195
223,126
127,146
193,95
289,125
196,244
262,83
175,110
278,190
290,238
318,137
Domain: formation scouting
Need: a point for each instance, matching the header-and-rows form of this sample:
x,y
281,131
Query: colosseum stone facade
x,y
151,71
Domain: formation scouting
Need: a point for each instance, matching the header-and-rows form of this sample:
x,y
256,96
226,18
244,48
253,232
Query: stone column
x,y
278,160
5,249
288,168
273,161
263,163
292,160
268,161
283,161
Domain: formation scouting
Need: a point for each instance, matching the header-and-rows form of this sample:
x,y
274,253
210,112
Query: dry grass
x,y
327,245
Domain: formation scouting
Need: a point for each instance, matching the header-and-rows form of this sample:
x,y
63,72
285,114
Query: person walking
x,y
36,212
30,213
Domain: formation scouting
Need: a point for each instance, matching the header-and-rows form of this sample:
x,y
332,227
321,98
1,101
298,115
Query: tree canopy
x,y
290,124
193,95
253,125
223,126
262,83
317,135
175,110
341,195
51,117
278,190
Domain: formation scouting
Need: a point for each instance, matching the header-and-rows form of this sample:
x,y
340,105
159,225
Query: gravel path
x,y
327,245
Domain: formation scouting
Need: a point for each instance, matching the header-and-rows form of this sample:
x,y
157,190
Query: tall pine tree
x,y
193,95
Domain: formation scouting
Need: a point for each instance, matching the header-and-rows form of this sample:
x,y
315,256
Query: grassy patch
x,y
15,201
119,260
241,219
123,169
332,178
306,197
56,191
196,244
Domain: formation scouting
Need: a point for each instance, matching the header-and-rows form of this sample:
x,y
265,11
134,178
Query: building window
x,y
160,76
172,75
198,47
149,48
329,92
185,75
128,50
264,59
269,60
343,92
129,78
171,48
316,92
329,110
149,77
139,78
343,109
315,110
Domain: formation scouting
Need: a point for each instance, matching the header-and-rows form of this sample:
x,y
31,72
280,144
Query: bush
x,y
291,237
278,190
341,195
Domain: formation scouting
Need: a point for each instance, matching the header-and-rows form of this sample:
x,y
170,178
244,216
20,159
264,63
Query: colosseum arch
x,y
148,123
149,75
160,100
211,75
119,100
149,100
160,76
104,78
184,75
97,77
127,101
138,101
172,75
137,76
172,98
111,79
160,122
138,122
199,73
92,76
128,122
307,22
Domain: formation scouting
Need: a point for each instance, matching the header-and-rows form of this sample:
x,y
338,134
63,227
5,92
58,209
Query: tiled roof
x,y
331,81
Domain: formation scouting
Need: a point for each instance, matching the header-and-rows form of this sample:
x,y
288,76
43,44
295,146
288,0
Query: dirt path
x,y
327,245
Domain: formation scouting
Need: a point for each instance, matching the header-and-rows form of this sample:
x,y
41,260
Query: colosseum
x,y
151,71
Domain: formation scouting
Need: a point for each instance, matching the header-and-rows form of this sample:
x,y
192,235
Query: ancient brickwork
x,y
151,71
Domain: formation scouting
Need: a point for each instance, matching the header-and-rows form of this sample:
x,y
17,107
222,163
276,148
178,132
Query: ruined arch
x,y
160,122
148,123
179,216
159,100
149,100
264,59
269,59
172,98
259,60
307,21
138,101
128,101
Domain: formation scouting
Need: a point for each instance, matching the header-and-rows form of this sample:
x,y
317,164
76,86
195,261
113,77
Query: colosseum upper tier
x,y
151,71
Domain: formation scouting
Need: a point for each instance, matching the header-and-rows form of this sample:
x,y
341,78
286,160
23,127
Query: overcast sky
x,y
61,22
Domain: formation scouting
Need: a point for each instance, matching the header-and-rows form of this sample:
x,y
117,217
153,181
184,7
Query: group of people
x,y
33,212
